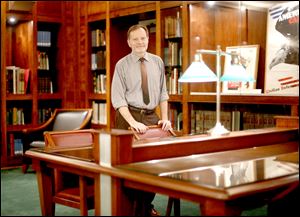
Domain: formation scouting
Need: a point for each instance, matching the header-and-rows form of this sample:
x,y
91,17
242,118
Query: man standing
x,y
138,87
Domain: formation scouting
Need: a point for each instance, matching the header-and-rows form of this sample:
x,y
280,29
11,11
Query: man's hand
x,y
139,127
166,124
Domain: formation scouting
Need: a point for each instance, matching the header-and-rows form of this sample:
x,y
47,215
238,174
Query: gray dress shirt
x,y
126,84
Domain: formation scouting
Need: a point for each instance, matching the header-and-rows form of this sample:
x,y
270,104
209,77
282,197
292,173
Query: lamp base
x,y
218,130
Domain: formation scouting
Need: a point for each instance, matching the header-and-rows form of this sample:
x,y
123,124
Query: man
x,y
134,103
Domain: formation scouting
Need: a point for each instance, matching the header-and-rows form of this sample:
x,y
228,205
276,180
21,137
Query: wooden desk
x,y
223,183
116,148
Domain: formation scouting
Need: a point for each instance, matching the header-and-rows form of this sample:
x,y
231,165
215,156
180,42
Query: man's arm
x,y
139,127
166,124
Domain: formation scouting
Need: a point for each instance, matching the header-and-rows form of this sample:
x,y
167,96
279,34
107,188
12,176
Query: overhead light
x,y
12,20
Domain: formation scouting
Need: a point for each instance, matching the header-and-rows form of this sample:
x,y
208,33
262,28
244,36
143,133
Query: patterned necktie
x,y
144,81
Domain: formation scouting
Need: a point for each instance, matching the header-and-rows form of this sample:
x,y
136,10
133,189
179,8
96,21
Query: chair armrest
x,y
45,126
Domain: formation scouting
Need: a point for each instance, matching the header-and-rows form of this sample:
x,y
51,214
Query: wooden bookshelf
x,y
20,47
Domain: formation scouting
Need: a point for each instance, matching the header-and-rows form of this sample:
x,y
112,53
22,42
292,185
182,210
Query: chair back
x,y
154,131
71,119
70,139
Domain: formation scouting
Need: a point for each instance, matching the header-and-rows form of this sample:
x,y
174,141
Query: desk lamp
x,y
199,72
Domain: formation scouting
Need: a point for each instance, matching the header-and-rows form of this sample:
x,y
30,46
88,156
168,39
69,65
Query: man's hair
x,y
135,27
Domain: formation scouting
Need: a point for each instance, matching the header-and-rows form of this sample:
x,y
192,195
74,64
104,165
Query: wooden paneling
x,y
95,10
49,10
22,47
96,7
202,36
257,35
225,26
70,55
170,4
124,8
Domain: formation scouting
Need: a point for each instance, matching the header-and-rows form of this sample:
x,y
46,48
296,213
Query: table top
x,y
223,169
82,153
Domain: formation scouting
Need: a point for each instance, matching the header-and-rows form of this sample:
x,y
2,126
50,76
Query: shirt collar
x,y
137,58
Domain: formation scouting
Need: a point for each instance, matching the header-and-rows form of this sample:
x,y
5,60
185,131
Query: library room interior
x,y
149,108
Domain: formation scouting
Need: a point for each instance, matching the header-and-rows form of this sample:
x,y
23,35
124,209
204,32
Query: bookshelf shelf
x,y
20,97
97,96
49,96
245,99
18,128
175,98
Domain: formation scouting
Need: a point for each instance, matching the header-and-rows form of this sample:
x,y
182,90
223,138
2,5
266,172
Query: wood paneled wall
x,y
225,26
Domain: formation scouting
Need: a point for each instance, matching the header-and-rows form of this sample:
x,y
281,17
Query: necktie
x,y
144,82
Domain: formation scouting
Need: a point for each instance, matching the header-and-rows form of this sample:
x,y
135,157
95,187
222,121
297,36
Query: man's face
x,y
138,41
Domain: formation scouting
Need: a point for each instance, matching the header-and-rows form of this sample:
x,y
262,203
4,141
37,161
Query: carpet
x,y
20,197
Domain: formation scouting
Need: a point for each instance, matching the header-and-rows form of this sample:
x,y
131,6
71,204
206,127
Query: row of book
x,y
98,38
15,145
173,54
204,120
45,84
44,39
175,117
43,61
99,83
99,113
173,86
15,116
173,26
44,114
17,80
98,60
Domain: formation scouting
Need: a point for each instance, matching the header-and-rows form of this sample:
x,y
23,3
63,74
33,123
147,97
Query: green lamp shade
x,y
198,72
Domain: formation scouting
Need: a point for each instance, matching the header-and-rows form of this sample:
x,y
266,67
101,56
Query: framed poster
x,y
249,60
282,50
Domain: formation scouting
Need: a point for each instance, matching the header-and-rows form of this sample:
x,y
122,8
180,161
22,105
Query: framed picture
x,y
282,50
249,60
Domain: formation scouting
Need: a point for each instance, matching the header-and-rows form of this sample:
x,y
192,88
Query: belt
x,y
142,111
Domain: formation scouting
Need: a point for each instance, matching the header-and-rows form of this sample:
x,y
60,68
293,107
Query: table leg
x,y
45,185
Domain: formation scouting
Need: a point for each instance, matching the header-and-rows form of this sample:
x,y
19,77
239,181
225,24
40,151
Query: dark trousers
x,y
147,118
142,199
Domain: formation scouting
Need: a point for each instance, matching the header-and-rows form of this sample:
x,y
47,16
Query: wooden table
x,y
115,168
223,183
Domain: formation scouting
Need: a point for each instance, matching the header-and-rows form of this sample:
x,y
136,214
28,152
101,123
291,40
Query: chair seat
x,y
37,144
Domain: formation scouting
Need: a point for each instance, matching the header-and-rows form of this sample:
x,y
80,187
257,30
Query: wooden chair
x,y
62,119
77,195
155,131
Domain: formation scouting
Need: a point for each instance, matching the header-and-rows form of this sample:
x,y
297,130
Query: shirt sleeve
x,y
164,92
118,88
